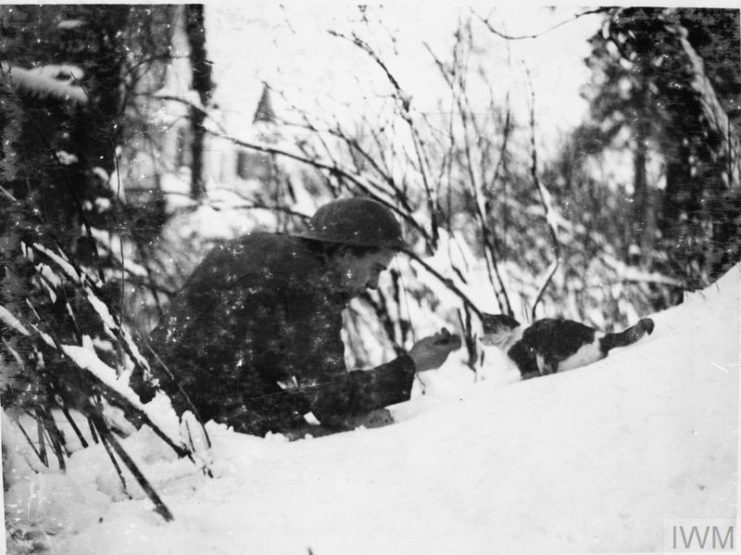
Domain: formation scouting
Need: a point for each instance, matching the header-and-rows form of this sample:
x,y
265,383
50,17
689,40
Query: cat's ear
x,y
512,322
497,322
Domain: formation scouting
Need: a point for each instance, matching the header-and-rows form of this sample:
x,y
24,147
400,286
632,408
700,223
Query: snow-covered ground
x,y
595,459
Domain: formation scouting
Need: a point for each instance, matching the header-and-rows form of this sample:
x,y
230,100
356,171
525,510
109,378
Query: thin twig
x,y
108,437
445,281
42,442
56,440
28,439
404,100
541,33
462,103
470,341
93,433
111,456
76,428
56,448
544,199
206,469
333,169
179,387
353,145
133,413
360,43
8,194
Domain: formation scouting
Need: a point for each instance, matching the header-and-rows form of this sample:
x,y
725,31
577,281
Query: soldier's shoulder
x,y
277,243
274,250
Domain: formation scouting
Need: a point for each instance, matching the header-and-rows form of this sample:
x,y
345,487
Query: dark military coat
x,y
253,340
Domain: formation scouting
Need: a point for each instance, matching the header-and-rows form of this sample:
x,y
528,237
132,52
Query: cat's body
x,y
554,345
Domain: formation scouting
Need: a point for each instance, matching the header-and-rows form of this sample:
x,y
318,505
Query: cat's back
x,y
558,337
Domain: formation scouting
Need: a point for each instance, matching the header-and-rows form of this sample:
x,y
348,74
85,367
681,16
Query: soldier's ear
x,y
340,253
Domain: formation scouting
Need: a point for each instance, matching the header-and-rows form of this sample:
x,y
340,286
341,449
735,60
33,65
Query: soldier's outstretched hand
x,y
430,353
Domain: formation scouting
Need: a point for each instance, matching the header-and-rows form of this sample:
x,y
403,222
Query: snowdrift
x,y
595,459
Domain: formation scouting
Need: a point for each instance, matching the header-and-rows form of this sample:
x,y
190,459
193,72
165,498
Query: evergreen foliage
x,y
68,86
652,94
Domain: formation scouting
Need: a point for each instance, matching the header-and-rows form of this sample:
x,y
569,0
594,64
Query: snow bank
x,y
595,459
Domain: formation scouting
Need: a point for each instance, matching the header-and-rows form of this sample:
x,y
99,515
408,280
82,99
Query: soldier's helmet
x,y
358,222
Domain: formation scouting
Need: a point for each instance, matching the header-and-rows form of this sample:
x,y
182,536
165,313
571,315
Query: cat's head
x,y
500,330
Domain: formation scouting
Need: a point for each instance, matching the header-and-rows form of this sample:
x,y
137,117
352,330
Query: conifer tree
x,y
652,91
69,82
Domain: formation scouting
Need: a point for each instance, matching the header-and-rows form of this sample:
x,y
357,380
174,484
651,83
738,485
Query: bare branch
x,y
545,201
112,457
353,145
109,438
360,43
418,142
75,427
505,36
445,281
332,169
465,115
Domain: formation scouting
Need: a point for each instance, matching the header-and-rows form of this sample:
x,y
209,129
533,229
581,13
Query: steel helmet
x,y
360,222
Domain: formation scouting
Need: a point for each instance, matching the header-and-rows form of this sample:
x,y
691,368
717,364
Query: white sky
x,y
289,47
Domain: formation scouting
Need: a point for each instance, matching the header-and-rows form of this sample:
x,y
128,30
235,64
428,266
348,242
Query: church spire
x,y
264,112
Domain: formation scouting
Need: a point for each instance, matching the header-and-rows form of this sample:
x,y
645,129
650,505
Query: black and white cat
x,y
554,345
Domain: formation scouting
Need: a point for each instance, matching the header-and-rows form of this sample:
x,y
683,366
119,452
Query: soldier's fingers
x,y
455,341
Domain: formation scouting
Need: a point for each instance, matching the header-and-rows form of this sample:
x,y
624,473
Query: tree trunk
x,y
640,227
715,115
201,68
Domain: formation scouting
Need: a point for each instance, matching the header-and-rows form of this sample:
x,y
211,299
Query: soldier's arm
x,y
315,356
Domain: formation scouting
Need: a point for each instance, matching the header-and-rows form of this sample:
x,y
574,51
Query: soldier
x,y
253,339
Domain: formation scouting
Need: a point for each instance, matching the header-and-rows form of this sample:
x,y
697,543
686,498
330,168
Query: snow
x,y
61,261
595,459
158,410
86,358
11,321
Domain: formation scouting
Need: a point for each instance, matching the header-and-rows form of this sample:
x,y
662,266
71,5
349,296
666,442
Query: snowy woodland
x,y
578,163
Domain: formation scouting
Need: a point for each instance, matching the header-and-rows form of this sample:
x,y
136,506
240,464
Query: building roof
x,y
264,112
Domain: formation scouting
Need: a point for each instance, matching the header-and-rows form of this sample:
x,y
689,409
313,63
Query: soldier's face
x,y
361,273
